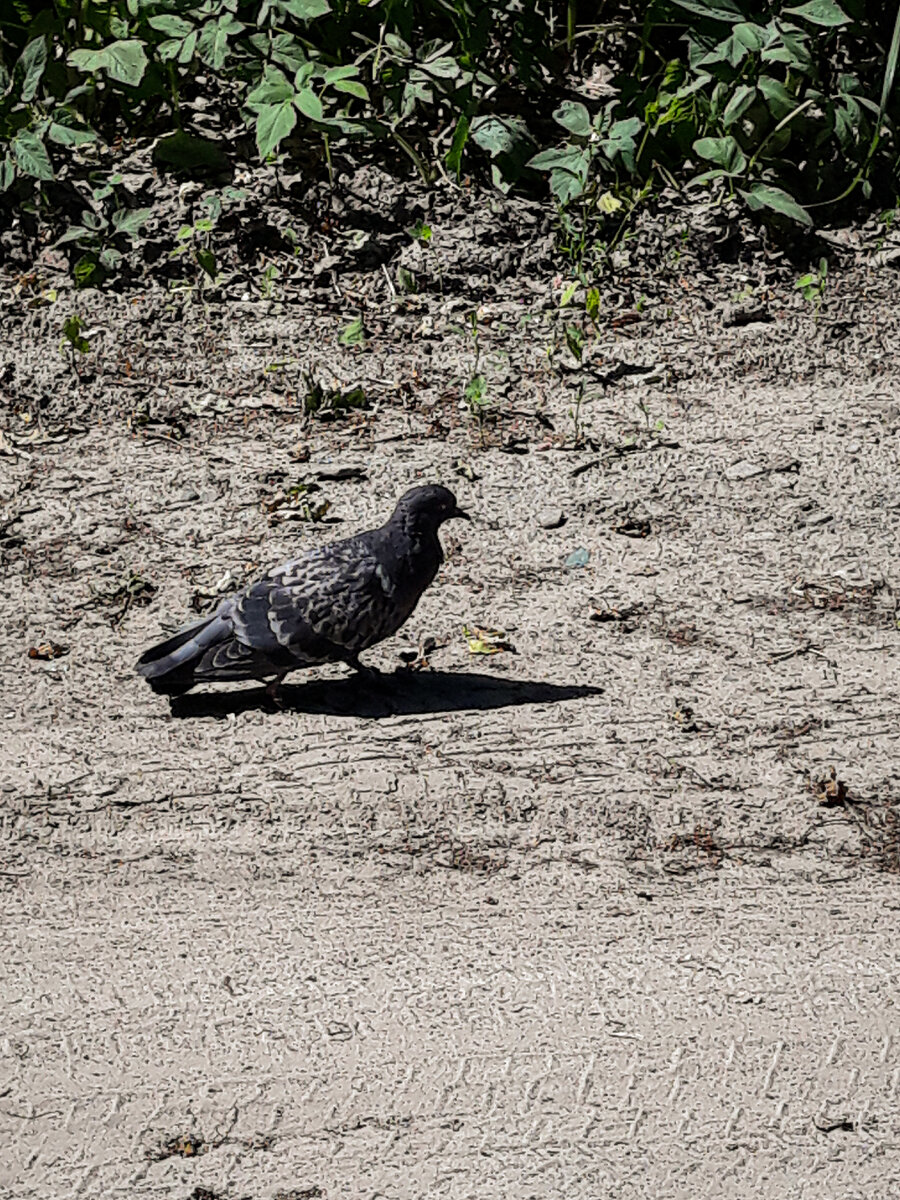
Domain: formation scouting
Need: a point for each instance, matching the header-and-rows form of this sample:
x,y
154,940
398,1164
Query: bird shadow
x,y
404,693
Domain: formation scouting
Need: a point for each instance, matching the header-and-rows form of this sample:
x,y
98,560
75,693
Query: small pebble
x,y
743,470
551,518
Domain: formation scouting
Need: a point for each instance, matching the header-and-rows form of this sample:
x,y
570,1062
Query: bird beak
x,y
459,512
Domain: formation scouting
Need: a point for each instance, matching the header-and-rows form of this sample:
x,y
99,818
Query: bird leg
x,y
368,673
273,690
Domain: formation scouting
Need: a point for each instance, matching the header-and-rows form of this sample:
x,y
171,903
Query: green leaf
x,y
273,123
188,46
7,173
441,68
125,61
85,269
753,37
72,334
568,171
110,258
354,334
706,177
714,10
821,12
273,87
474,391
73,234
890,70
460,137
352,87
792,48
207,261
129,220
779,100
497,135
212,45
309,104
284,48
333,74
306,10
762,195
31,155
621,141
170,25
32,62
575,341
724,152
567,185
743,97
65,135
574,117
398,46
570,159
166,51
718,54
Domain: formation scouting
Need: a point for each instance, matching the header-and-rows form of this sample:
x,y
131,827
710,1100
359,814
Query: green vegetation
x,y
812,286
792,108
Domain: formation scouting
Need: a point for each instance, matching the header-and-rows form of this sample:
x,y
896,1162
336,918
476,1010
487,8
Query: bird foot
x,y
274,694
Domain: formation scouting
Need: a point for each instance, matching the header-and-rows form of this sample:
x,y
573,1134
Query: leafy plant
x,y
353,334
787,107
736,88
106,231
812,286
71,333
325,403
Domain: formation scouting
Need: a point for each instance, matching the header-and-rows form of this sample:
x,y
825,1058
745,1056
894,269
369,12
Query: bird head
x,y
428,507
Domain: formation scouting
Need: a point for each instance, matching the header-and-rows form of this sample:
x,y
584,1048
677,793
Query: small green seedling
x,y
267,281
195,240
575,341
420,231
72,327
575,414
812,286
354,334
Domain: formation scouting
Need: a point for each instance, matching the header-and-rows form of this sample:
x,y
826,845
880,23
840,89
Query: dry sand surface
x,y
587,917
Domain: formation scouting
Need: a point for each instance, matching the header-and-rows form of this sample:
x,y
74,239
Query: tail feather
x,y
169,666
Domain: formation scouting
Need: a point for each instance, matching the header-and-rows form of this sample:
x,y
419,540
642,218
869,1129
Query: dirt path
x,y
588,918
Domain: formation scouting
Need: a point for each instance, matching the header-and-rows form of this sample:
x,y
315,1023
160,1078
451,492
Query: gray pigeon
x,y
326,606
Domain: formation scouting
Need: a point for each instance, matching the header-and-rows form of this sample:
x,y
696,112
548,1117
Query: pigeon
x,y
326,606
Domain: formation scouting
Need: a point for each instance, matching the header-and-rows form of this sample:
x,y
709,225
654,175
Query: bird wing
x,y
314,607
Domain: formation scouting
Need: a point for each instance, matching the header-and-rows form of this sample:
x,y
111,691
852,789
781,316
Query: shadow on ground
x,y
400,694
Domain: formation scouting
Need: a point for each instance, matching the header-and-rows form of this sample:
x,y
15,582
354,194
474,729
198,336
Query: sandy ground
x,y
583,918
